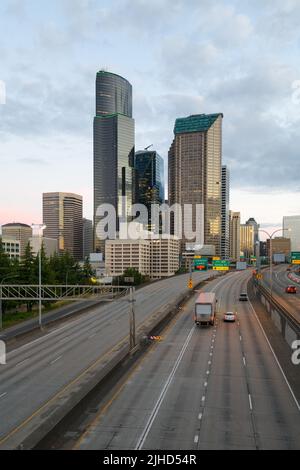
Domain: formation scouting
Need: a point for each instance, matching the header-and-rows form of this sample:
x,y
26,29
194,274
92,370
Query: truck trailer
x,y
205,309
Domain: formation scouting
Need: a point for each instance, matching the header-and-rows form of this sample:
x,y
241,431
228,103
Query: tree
x,y
132,272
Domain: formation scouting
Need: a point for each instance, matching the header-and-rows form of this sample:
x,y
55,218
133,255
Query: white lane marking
x,y
205,384
163,393
3,394
55,360
209,363
207,372
244,361
196,439
92,336
203,398
22,362
240,338
211,347
250,402
200,416
211,354
280,368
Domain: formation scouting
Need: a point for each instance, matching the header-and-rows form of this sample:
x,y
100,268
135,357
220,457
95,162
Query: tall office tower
x,y
255,226
225,213
113,148
234,235
149,174
195,171
62,215
291,226
247,240
87,235
18,231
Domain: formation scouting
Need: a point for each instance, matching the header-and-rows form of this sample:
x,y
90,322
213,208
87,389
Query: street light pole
x,y
271,254
40,227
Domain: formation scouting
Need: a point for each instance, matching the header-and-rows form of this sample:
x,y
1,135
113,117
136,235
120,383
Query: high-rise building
x,y
87,237
247,240
149,180
62,215
113,148
291,226
18,231
234,235
255,226
225,213
195,171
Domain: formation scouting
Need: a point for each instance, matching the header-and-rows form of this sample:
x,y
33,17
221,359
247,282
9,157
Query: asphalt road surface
x,y
38,370
203,388
280,281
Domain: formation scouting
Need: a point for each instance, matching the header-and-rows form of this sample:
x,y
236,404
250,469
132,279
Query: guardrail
x,y
283,318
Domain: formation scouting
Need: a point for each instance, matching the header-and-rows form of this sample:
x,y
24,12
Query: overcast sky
x,y
182,57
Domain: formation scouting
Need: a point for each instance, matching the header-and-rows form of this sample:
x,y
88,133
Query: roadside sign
x,y
190,284
215,258
220,264
129,279
295,257
259,276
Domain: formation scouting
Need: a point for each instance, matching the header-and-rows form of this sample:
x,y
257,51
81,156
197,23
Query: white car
x,y
229,316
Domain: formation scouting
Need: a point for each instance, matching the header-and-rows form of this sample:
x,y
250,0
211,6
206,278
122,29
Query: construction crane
x,y
148,147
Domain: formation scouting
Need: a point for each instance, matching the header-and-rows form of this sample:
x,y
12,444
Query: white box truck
x,y
205,309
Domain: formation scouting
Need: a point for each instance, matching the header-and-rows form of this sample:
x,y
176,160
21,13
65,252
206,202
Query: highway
x,y
36,371
280,281
203,388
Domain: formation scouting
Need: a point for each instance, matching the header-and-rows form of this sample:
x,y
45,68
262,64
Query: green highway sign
x,y
200,261
295,257
220,262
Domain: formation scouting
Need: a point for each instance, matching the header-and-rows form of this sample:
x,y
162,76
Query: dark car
x,y
291,290
243,296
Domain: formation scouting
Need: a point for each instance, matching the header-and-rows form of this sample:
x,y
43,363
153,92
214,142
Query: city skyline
x,y
53,113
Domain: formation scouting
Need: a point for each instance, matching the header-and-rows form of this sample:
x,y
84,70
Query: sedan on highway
x,y
243,296
291,290
229,316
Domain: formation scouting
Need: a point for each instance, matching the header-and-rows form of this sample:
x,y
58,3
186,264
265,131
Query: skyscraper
x,y
87,241
225,213
247,240
195,170
234,235
62,215
113,147
149,174
255,226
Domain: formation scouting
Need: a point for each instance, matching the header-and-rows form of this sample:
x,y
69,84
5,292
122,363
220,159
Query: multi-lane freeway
x,y
280,281
36,371
203,388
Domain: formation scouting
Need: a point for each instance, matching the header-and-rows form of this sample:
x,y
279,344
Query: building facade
x,y
113,149
194,175
11,247
156,258
50,245
149,181
234,235
280,245
87,237
291,226
225,213
62,215
18,231
247,240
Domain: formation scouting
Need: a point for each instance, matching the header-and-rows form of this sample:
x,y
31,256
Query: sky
x,y
182,57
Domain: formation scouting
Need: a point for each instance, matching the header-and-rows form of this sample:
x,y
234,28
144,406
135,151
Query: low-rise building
x,y
12,247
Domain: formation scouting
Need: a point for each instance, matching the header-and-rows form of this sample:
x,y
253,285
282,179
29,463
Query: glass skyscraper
x,y
195,160
113,147
149,174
